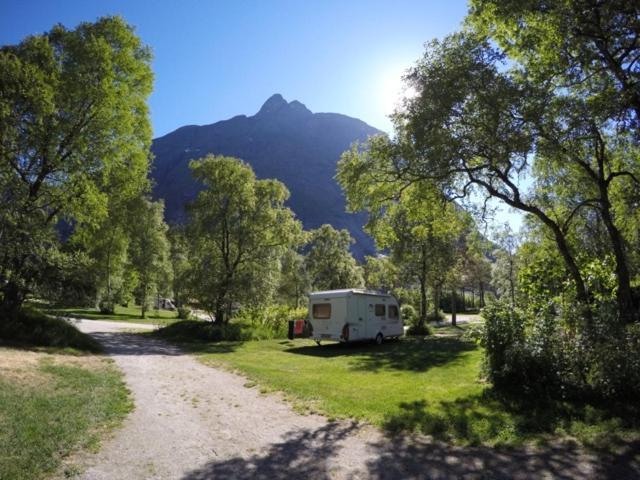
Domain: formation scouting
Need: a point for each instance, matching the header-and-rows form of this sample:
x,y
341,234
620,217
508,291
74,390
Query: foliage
x,y
329,262
535,351
72,111
414,221
179,256
149,251
240,228
269,322
29,327
294,278
381,273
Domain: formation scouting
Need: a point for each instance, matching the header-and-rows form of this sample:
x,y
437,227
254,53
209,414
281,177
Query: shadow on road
x,y
118,343
416,459
304,455
311,454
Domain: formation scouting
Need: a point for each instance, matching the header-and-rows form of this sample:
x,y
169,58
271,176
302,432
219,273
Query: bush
x,y
409,314
107,307
543,353
31,328
419,330
270,321
250,323
184,313
199,331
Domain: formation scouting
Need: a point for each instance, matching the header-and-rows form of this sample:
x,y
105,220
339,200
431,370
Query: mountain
x,y
284,140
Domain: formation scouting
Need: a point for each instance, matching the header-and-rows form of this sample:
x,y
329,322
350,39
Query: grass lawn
x,y
430,385
122,314
52,405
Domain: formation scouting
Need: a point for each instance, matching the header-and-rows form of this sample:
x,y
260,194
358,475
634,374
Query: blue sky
x,y
216,59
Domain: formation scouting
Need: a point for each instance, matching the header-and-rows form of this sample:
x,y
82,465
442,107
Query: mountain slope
x,y
284,140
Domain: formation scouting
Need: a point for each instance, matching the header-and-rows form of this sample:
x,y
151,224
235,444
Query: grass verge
x,y
51,405
122,314
31,328
430,385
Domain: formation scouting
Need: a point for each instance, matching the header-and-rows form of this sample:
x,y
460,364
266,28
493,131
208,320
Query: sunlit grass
x,y
432,385
52,405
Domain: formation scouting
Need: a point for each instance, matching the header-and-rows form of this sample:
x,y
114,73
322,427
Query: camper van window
x,y
321,310
380,310
393,312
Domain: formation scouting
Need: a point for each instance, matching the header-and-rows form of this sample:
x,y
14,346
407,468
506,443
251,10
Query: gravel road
x,y
194,422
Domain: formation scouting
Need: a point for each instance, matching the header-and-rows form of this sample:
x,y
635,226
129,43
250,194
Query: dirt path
x,y
196,422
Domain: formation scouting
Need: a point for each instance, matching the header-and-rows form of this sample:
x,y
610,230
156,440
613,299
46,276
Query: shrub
x,y
184,313
409,314
544,353
268,322
198,331
419,330
29,327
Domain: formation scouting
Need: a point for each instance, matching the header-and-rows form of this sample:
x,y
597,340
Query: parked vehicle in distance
x,y
349,315
164,303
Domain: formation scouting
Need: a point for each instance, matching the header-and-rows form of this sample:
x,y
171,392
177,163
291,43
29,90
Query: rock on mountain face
x,y
284,140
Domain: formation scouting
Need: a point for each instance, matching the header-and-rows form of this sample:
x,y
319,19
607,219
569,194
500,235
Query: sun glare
x,y
391,89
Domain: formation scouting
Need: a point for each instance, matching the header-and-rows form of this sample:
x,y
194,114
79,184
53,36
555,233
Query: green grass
x,y
122,314
31,328
429,385
54,408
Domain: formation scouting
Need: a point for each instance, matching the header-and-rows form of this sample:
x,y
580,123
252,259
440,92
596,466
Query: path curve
x,y
195,422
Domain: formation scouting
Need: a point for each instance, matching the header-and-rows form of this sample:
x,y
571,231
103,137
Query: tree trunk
x,y
423,303
624,295
481,294
453,307
436,301
423,286
143,306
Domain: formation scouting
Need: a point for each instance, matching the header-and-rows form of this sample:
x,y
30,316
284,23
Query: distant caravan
x,y
349,315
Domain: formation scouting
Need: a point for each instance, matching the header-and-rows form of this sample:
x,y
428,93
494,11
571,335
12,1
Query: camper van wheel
x,y
379,339
318,342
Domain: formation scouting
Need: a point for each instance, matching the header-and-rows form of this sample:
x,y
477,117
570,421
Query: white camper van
x,y
353,314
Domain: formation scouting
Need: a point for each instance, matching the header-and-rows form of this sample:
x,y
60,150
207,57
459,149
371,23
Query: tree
x,y
72,109
294,279
381,273
239,228
505,269
329,262
149,250
179,256
413,221
477,125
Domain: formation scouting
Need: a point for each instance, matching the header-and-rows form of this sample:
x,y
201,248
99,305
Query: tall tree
x,y
329,262
240,228
149,250
476,125
72,109
414,222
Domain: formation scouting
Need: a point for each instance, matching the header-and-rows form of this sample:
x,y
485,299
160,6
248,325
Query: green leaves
x,y
74,131
239,229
